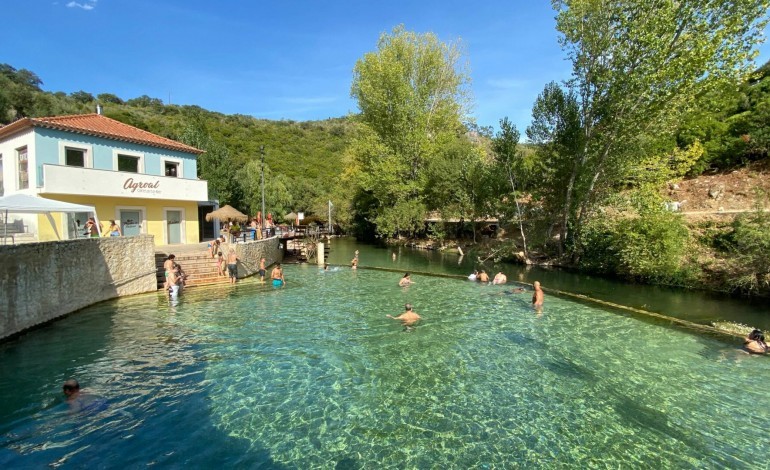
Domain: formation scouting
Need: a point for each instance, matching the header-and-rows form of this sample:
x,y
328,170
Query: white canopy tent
x,y
26,204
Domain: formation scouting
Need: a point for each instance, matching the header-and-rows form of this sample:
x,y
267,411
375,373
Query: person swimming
x,y
406,280
755,343
79,401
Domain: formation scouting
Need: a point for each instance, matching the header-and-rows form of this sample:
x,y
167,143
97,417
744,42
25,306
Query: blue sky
x,y
276,60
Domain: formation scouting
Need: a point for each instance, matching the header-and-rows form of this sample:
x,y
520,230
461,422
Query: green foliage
x,y
731,122
82,97
750,246
412,97
639,241
634,78
109,98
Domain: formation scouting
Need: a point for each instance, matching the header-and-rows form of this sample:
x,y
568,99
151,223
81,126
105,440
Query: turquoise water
x,y
313,375
691,305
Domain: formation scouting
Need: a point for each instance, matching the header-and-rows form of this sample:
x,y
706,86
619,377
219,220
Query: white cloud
x,y
87,5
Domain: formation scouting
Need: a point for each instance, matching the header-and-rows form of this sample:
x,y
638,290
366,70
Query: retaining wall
x,y
42,281
250,253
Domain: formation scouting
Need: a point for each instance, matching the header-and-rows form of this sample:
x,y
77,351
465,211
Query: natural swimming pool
x,y
313,375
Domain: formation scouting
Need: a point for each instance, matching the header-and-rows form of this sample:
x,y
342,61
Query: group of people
x,y
500,279
174,275
92,229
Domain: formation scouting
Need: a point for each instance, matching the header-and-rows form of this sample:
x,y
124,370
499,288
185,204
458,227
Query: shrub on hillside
x,y
751,251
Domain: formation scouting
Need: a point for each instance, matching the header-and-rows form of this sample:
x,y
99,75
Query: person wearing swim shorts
x,y
277,276
262,270
232,266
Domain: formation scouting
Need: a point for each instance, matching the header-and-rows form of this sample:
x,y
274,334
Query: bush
x,y
751,252
651,246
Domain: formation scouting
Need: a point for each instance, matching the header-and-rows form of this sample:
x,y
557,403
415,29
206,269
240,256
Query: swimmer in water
x,y
80,401
755,343
408,318
406,280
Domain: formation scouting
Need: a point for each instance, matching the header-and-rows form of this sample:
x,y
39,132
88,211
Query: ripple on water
x,y
313,375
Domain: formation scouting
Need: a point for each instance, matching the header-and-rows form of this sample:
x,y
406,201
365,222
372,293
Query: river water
x,y
698,306
314,375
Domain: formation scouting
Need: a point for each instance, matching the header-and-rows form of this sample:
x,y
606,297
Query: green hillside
x,y
303,159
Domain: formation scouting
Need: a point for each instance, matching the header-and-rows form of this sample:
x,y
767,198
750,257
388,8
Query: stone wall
x,y
251,252
43,281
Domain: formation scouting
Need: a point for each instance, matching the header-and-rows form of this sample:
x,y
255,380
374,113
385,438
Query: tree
x,y
558,132
635,73
109,98
412,97
506,158
82,97
214,165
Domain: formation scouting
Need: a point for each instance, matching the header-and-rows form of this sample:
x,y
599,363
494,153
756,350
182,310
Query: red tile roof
x,y
100,126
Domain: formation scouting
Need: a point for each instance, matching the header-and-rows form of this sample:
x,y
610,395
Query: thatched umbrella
x,y
227,214
290,217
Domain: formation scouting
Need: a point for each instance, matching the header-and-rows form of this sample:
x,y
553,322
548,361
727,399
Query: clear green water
x,y
314,375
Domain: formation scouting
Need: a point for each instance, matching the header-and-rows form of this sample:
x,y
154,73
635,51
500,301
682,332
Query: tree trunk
x,y
518,212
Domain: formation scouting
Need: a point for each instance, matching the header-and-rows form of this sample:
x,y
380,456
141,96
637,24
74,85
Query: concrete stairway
x,y
199,267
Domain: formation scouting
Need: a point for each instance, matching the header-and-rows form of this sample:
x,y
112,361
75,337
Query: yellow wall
x,y
105,211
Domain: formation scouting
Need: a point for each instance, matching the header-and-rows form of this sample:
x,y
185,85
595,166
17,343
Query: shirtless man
x,y
277,276
483,276
500,278
406,280
408,318
354,263
262,270
232,266
537,297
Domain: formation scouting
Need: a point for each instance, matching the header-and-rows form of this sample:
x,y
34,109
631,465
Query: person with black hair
x,y
406,280
755,342
80,401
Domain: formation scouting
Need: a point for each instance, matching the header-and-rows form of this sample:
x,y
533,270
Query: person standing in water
x,y
262,270
408,318
537,297
232,266
406,280
277,276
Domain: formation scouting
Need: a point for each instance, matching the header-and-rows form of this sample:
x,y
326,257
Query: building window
x,y
128,163
75,157
172,169
23,168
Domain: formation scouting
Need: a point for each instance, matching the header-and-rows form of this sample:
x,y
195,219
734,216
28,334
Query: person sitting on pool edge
x,y
408,318
406,280
755,342
79,401
277,276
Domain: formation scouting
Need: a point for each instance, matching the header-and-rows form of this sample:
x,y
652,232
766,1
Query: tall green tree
x,y
412,94
635,73
214,165
508,161
558,132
